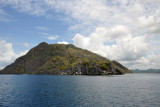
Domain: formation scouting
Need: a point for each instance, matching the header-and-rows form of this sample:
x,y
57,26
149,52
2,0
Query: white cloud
x,y
26,44
49,36
150,23
146,62
52,37
63,42
34,7
41,28
123,47
92,13
7,55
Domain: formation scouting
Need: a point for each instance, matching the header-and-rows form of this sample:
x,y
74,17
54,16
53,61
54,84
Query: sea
x,y
129,90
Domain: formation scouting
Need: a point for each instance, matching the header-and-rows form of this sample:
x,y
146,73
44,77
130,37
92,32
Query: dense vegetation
x,y
60,59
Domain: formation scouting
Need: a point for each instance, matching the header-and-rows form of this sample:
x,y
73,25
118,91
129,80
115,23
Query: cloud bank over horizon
x,y
124,30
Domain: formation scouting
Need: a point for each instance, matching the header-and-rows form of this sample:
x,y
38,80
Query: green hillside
x,y
60,59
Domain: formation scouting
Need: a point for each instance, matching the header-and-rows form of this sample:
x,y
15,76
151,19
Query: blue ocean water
x,y
130,90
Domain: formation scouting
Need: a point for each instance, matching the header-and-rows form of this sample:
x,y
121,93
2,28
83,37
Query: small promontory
x,y
60,59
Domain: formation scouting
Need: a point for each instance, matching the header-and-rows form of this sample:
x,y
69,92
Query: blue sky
x,y
25,28
124,30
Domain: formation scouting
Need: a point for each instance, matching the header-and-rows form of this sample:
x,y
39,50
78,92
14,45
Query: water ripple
x,y
131,90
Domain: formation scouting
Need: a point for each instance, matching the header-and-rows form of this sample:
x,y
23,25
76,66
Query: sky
x,y
124,30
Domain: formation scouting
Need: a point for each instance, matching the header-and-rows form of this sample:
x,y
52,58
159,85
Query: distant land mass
x,y
60,59
146,71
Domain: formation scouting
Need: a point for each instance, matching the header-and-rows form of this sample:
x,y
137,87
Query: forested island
x,y
61,59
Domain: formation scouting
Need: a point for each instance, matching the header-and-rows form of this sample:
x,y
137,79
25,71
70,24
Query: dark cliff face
x,y
59,59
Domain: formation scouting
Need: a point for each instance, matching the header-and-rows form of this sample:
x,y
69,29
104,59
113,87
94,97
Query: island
x,y
146,71
61,59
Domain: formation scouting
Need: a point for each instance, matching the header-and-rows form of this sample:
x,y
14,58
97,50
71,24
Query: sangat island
x,y
60,59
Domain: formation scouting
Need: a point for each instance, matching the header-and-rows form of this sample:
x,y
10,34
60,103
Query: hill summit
x,y
60,59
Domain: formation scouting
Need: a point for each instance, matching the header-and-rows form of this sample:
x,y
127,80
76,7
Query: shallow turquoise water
x,y
130,90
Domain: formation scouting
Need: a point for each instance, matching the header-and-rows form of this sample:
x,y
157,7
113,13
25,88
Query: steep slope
x,y
121,67
59,59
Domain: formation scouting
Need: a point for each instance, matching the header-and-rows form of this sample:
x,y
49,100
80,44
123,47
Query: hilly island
x,y
61,59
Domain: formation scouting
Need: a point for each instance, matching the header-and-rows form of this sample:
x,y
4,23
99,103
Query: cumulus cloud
x,y
132,51
63,42
116,43
146,62
150,23
92,13
7,54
